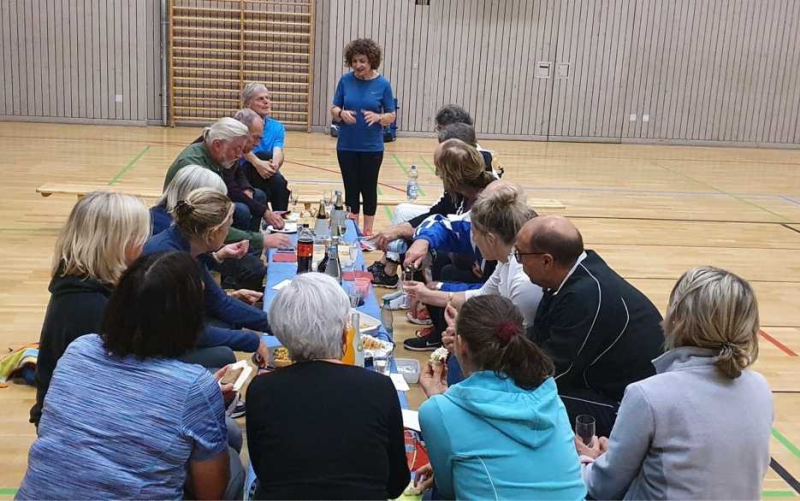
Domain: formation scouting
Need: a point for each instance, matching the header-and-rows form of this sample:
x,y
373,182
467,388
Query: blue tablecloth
x,y
277,273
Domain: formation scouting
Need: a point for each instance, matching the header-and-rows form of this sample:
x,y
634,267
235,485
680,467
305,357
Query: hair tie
x,y
729,346
506,331
184,207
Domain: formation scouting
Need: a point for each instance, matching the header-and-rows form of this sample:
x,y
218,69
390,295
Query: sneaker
x,y
397,300
376,268
419,317
384,280
241,409
423,342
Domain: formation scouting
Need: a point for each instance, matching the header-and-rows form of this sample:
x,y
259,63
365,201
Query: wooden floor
x,y
650,211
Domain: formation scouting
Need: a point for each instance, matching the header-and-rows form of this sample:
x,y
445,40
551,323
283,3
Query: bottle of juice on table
x,y
353,352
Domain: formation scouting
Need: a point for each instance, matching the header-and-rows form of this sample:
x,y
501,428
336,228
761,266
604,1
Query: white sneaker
x,y
397,300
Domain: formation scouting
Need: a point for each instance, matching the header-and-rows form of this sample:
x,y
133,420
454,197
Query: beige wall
x,y
698,70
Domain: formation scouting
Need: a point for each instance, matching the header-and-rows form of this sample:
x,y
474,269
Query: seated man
x,y
251,203
263,163
601,332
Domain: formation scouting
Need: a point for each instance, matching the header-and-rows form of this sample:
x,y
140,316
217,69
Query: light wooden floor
x,y
650,211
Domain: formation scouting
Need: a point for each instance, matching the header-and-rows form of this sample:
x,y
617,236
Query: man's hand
x,y
248,193
416,253
277,241
417,291
434,379
233,251
594,450
246,296
275,220
449,335
423,478
226,389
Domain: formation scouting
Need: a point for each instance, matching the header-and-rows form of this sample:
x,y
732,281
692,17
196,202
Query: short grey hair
x,y
225,129
246,116
250,90
186,181
309,315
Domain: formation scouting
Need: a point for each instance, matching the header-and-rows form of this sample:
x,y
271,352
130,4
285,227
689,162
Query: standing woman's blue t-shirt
x,y
358,96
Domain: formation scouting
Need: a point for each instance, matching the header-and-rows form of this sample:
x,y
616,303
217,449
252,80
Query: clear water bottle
x,y
398,246
412,187
386,318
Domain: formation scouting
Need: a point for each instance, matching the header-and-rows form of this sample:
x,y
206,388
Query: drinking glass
x,y
294,197
342,226
585,428
327,197
408,277
380,361
362,287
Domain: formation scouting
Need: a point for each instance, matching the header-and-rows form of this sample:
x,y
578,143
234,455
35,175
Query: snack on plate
x,y
371,343
439,356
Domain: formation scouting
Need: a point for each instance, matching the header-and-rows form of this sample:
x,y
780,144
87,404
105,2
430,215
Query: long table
x,y
277,272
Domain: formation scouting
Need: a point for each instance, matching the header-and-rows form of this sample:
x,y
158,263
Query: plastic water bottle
x,y
412,187
398,246
386,318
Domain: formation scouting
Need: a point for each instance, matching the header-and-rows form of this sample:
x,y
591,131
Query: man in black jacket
x,y
601,332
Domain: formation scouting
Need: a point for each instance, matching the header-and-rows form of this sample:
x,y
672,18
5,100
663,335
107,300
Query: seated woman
x,y
201,222
319,429
249,271
124,419
700,428
502,433
496,218
104,233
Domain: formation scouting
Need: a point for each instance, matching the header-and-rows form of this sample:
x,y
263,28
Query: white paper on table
x,y
399,382
281,285
411,420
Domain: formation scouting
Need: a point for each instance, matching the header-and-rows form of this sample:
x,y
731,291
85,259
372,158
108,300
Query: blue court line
x,y
790,199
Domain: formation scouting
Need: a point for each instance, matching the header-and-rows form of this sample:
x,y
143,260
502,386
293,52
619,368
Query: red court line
x,y
777,343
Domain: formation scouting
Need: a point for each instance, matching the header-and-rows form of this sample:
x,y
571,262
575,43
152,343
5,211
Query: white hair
x,y
225,129
246,116
309,316
186,181
250,90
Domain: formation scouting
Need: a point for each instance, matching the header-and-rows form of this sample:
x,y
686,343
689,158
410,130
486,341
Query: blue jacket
x,y
161,218
218,304
490,439
451,233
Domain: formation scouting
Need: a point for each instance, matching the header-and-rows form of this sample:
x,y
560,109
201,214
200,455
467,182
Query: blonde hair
x,y
461,166
202,212
713,308
187,180
101,228
502,212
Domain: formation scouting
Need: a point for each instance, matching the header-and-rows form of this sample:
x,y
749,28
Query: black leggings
x,y
360,171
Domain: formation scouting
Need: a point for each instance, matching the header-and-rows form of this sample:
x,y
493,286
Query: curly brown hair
x,y
363,47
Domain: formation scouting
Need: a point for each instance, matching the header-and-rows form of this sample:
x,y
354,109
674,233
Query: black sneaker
x,y
423,343
381,279
240,410
376,268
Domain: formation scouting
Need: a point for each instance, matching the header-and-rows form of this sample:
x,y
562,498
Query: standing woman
x,y
362,105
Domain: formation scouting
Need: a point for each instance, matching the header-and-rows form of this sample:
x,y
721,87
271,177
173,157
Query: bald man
x,y
600,331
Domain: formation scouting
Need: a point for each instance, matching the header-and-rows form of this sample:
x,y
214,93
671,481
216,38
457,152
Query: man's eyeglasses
x,y
518,255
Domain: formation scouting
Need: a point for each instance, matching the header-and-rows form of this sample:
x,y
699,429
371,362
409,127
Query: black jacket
x,y
76,308
600,331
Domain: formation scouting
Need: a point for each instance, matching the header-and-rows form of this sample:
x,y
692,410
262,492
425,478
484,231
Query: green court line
x,y
380,191
115,179
8,492
388,212
786,443
430,167
778,494
398,162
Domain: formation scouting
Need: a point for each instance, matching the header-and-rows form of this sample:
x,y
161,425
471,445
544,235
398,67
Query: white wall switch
x,y
118,98
633,117
645,118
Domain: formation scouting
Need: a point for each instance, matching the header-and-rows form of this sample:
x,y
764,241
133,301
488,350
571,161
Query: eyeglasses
x,y
518,255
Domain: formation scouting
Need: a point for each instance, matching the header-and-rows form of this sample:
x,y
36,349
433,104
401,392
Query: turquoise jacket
x,y
490,439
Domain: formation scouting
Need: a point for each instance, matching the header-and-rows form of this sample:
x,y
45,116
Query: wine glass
x,y
342,226
585,428
294,197
327,198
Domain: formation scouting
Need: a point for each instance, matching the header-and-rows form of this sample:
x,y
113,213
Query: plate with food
x,y
368,323
280,357
290,216
371,344
287,228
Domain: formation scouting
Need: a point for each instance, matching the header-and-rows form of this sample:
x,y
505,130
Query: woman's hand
x,y
277,241
233,251
434,379
373,118
423,478
226,389
417,291
246,296
593,450
347,116
416,253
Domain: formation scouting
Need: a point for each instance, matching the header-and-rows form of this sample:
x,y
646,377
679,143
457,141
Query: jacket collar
x,y
176,236
683,358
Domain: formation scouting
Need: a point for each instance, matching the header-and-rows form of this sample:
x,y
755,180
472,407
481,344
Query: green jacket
x,y
197,154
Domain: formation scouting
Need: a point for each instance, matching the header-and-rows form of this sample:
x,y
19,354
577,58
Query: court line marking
x,y
789,227
784,473
433,171
388,211
784,349
7,491
786,443
790,199
337,172
131,164
778,494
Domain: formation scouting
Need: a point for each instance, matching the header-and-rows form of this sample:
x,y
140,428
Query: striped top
x,y
122,428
